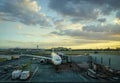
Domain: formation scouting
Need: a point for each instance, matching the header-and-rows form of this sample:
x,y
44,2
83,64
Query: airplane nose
x,y
57,62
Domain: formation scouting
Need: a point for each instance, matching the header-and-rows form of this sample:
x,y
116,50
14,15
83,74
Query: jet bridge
x,y
65,58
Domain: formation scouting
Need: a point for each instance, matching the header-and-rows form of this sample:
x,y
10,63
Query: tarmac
x,y
47,72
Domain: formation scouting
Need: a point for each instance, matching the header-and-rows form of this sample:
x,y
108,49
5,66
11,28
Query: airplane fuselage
x,y
56,59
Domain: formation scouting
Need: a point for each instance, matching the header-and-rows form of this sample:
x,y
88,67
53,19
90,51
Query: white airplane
x,y
55,58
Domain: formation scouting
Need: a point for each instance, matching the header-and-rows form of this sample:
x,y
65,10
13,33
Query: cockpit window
x,y
57,59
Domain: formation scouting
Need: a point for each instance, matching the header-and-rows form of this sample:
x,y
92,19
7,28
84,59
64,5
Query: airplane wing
x,y
42,57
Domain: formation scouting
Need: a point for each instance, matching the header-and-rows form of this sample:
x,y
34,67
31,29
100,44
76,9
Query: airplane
x,y
55,58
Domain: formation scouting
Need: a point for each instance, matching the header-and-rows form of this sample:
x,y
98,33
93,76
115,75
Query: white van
x,y
25,75
16,74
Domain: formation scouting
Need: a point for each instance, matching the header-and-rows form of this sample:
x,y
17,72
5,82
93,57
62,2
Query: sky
x,y
76,24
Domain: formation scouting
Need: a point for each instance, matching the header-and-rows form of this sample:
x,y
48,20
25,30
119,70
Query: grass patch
x,y
26,66
2,59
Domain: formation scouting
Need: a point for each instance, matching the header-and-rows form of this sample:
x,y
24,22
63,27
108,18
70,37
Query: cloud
x,y
24,11
117,21
19,26
94,28
63,25
79,10
105,6
118,15
109,28
76,10
105,31
92,32
87,19
102,20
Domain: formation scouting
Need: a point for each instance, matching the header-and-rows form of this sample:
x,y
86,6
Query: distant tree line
x,y
47,51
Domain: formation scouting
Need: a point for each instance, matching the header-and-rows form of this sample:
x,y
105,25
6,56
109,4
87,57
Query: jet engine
x,y
43,61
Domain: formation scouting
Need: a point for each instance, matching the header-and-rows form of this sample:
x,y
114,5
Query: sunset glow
x,y
77,24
